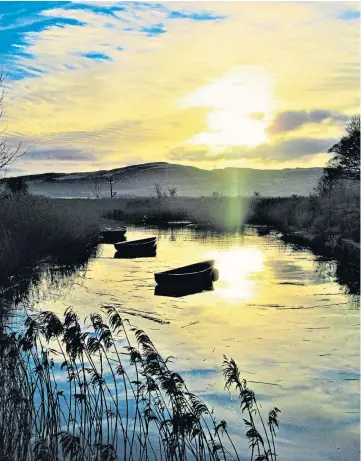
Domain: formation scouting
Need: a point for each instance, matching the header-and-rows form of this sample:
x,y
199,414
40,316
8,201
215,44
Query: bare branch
x,y
8,154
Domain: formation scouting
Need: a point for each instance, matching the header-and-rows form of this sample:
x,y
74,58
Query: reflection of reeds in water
x,y
119,401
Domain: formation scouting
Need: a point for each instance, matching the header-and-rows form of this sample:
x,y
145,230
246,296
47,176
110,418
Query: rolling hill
x,y
140,180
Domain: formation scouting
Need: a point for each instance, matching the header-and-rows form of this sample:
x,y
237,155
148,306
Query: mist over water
x,y
288,318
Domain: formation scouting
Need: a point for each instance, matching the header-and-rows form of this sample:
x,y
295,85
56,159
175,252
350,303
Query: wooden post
x,y
110,180
112,194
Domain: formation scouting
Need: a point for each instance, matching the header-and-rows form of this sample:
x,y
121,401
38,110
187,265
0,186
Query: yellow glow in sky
x,y
213,85
240,105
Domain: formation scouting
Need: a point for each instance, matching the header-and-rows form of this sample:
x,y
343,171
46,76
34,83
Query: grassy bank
x,y
106,394
216,212
32,228
332,220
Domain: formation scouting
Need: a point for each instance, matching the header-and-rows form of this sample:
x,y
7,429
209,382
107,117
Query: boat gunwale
x,y
168,273
135,243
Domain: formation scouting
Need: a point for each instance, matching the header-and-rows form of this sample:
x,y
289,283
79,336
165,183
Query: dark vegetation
x,y
32,228
328,218
16,186
332,214
119,398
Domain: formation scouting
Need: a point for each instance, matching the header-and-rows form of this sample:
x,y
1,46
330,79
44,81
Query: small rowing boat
x,y
137,245
195,275
109,235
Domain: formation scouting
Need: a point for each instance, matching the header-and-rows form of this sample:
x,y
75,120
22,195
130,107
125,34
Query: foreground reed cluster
x,y
70,394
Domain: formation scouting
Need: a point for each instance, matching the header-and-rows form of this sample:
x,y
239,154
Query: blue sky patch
x,y
194,15
97,56
98,9
17,19
348,15
153,31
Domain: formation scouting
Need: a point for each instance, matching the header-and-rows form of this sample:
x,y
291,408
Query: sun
x,y
241,105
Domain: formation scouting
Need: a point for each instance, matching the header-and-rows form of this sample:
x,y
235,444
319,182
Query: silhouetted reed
x,y
72,394
330,217
263,448
32,228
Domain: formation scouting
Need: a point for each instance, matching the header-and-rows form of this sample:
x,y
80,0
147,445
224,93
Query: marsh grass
x,y
119,400
32,228
330,217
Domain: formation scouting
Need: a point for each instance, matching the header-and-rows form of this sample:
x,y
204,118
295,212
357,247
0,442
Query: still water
x,y
278,311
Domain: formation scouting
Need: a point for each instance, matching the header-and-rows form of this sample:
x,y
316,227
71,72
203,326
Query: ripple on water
x,y
280,313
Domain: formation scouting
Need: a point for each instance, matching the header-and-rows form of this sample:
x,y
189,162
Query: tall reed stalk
x,y
72,394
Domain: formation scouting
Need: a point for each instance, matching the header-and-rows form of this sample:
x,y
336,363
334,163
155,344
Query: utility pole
x,y
112,194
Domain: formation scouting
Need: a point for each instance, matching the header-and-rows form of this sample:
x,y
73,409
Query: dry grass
x,y
330,217
32,228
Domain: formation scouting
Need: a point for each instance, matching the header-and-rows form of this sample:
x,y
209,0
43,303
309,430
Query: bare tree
x,y
8,154
172,191
158,190
95,188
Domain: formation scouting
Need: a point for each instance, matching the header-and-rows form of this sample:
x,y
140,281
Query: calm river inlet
x,y
279,311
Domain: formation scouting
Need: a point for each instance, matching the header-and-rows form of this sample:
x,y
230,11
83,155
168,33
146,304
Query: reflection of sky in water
x,y
291,329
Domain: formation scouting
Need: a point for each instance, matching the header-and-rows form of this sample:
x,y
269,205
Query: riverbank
x,y
329,224
32,228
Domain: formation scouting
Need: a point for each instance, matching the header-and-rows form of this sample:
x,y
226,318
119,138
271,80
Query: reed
x,y
120,399
332,216
32,228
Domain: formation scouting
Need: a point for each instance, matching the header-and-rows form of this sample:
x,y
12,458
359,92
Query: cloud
x,y
68,154
283,150
63,95
292,120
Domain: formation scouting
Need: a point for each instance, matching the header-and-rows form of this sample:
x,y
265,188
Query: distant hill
x,y
139,180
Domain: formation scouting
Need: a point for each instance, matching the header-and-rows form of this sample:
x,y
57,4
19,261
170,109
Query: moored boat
x,y
194,275
149,243
134,254
109,235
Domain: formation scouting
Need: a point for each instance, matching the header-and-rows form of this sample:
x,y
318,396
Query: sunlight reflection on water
x,y
278,312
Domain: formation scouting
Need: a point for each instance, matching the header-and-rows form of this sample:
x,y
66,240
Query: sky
x,y
101,85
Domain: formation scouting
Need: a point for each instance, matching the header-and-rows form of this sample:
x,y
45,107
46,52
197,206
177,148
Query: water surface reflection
x,y
280,312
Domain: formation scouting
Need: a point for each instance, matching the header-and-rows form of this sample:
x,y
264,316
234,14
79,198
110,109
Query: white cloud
x,y
130,106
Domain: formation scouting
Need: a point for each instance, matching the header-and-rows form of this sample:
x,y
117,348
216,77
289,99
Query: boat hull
x,y
195,276
136,248
134,253
113,235
150,242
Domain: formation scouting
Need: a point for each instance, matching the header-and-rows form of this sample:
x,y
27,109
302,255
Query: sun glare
x,y
237,268
240,105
